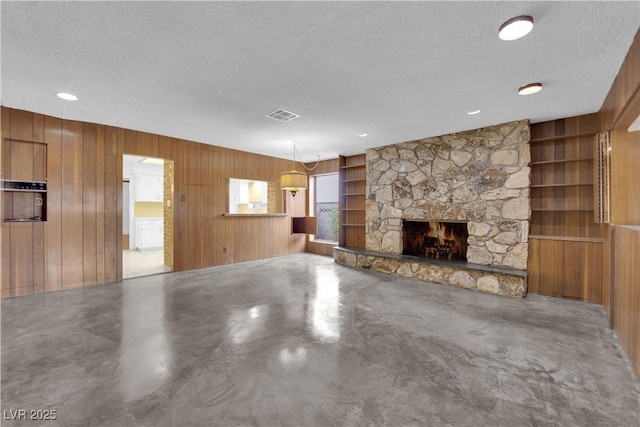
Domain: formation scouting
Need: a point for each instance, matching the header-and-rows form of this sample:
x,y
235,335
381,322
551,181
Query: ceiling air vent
x,y
283,115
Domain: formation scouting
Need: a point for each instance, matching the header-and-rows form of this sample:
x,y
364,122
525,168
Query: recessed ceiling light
x,y
474,112
362,135
515,28
67,96
530,89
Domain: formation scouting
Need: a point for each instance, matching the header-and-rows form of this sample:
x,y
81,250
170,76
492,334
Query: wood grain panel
x,y
568,269
72,175
533,266
625,158
100,214
21,260
624,88
112,185
89,204
53,140
21,127
6,260
626,299
39,257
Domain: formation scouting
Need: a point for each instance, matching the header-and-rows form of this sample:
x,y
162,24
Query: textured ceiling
x,y
211,71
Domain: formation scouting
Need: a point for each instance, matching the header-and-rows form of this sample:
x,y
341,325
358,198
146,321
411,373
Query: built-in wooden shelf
x,y
561,210
240,215
563,137
352,180
558,161
576,184
566,238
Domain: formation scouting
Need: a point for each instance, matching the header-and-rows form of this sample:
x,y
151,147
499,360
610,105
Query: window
x,y
324,205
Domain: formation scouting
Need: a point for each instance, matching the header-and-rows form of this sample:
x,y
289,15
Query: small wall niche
x,y
24,183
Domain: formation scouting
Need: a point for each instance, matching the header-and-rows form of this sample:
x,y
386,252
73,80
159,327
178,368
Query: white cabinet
x,y
149,188
149,233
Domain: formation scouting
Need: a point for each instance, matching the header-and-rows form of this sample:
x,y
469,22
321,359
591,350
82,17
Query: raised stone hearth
x,y
496,280
480,177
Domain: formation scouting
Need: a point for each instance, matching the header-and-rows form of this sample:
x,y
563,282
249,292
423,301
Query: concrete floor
x,y
299,340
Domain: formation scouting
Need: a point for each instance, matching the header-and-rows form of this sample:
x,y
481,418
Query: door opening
x,y
147,210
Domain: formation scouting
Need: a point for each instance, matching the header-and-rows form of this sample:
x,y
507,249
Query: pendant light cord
x,y
300,159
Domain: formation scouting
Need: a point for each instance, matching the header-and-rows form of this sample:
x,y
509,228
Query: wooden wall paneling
x,y
625,197
165,147
144,144
533,266
626,298
39,265
53,140
6,261
229,242
21,160
21,127
214,167
111,187
100,242
5,244
574,270
205,225
72,174
624,87
594,255
38,128
546,272
191,236
89,204
245,237
21,249
130,142
607,270
118,178
193,164
558,267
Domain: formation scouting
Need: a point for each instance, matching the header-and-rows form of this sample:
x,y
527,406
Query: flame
x,y
438,230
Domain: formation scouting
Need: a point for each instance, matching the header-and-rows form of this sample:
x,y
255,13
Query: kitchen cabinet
x,y
149,233
149,188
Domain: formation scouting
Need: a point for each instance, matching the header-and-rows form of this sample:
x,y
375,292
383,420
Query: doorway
x,y
147,216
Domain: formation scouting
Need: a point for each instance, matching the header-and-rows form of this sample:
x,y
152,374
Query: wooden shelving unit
x,y
352,207
562,183
565,242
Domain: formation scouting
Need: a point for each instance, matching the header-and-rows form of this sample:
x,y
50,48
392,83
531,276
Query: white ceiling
x,y
211,71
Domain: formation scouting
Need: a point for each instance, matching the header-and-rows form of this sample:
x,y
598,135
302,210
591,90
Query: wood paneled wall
x,y
81,241
623,94
620,109
626,300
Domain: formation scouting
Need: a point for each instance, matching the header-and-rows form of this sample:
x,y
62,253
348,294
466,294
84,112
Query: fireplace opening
x,y
435,239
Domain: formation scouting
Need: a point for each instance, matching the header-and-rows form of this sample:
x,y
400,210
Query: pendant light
x,y
294,180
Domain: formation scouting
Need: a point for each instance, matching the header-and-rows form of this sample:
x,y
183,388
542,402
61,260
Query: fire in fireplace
x,y
435,239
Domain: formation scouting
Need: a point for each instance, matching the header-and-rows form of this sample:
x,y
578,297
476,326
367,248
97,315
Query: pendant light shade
x,y
293,181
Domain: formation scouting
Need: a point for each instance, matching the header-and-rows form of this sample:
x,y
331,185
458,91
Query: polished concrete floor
x,y
299,340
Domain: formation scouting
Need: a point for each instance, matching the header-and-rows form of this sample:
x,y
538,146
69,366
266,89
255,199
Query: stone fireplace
x,y
480,178
435,239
